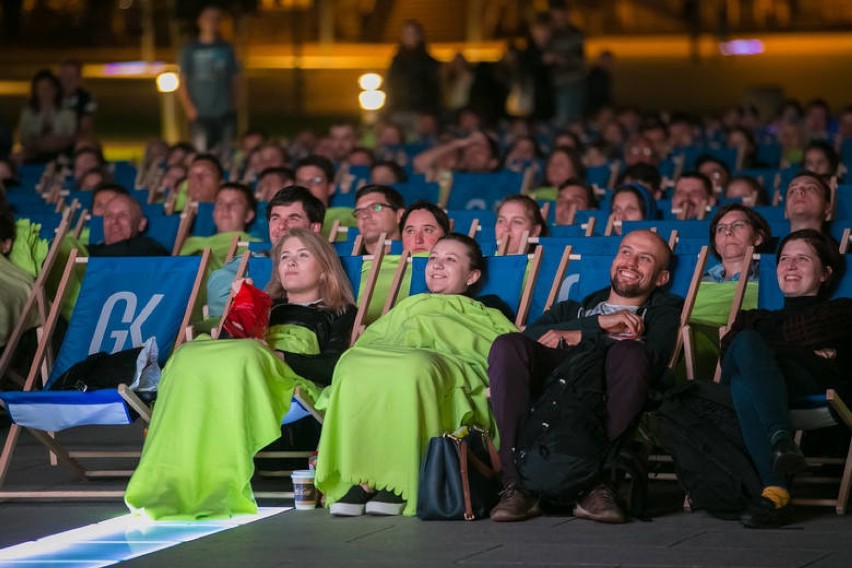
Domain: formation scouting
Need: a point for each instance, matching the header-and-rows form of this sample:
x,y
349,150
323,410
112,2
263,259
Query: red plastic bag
x,y
249,313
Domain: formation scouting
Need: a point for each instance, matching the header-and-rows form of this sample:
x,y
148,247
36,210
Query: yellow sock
x,y
777,494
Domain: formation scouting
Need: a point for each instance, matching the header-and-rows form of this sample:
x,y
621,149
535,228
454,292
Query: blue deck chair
x,y
511,278
771,212
686,229
554,264
30,174
124,174
417,189
601,175
123,302
769,153
843,203
483,190
204,226
815,411
463,219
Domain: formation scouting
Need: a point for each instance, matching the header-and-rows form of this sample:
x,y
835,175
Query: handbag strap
x,y
492,453
461,447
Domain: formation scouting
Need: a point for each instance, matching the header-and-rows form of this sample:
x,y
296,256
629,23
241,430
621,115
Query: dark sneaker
x,y
787,458
763,514
515,505
385,503
601,505
352,504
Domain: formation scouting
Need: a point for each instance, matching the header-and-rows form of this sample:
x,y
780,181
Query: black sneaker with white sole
x,y
385,503
352,504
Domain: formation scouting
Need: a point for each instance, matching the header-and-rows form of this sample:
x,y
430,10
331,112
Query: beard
x,y
631,290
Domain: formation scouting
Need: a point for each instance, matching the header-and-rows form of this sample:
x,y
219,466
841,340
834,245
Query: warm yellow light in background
x,y
372,100
370,81
168,82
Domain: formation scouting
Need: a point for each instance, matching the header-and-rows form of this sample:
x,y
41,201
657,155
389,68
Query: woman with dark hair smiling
x,y
417,372
772,356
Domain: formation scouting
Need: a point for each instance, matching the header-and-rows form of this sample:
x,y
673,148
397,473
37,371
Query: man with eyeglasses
x,y
378,209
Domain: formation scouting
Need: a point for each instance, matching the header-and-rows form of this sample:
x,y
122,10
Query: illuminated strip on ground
x,y
115,540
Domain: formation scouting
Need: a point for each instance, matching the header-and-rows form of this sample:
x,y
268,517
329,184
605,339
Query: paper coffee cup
x,y
304,491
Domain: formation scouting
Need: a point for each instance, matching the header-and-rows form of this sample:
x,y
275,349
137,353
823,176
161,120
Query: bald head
x,y
123,219
640,267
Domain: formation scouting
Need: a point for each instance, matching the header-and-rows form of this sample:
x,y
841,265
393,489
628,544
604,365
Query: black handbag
x,y
459,477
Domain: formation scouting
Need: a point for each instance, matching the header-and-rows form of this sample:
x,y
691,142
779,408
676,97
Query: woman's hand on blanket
x,y
238,283
557,339
263,342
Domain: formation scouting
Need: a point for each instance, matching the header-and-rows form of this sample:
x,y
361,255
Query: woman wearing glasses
x,y
733,229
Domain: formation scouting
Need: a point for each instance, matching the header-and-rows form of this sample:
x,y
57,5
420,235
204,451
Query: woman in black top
x,y
772,356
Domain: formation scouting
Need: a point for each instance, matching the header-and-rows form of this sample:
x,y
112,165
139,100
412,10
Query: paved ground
x,y
818,540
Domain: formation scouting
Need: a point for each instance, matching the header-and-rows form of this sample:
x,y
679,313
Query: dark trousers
x,y
761,389
518,367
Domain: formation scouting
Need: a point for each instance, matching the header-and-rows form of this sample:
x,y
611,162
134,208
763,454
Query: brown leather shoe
x,y
600,505
515,505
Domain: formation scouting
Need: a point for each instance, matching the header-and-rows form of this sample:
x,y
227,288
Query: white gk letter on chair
x,y
135,328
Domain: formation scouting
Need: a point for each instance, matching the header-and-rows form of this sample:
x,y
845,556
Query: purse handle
x,y
462,449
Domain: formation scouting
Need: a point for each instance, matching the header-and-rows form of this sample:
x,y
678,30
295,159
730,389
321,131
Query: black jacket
x,y
662,320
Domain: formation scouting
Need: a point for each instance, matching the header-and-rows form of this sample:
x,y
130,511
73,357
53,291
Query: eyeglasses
x,y
733,227
316,180
376,207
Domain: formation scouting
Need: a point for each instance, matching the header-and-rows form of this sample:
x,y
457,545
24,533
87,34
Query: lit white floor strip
x,y
109,542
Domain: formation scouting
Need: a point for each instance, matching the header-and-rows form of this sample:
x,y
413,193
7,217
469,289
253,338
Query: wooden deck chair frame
x,y
186,219
840,502
37,298
39,369
369,287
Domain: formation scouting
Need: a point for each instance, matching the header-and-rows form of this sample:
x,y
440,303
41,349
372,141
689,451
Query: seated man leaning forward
x,y
633,321
123,227
291,208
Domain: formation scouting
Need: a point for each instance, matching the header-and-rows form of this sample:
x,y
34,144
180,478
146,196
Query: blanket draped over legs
x,y
416,373
219,403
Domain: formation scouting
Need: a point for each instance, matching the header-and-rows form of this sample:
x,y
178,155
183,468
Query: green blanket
x,y
219,403
712,305
29,250
416,373
15,288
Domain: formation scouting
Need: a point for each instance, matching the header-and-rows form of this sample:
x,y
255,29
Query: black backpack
x,y
562,446
699,427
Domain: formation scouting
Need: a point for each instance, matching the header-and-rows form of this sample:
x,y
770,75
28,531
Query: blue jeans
x,y
760,388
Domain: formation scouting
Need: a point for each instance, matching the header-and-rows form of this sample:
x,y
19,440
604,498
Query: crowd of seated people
x,y
617,165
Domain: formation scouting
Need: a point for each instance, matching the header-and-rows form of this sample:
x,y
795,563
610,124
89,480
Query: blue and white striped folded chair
x,y
123,303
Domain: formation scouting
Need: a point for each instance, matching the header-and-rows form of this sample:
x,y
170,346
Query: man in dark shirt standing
x,y
566,55
209,84
76,98
633,322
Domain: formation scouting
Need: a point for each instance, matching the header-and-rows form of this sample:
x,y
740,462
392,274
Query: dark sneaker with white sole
x,y
385,503
352,504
